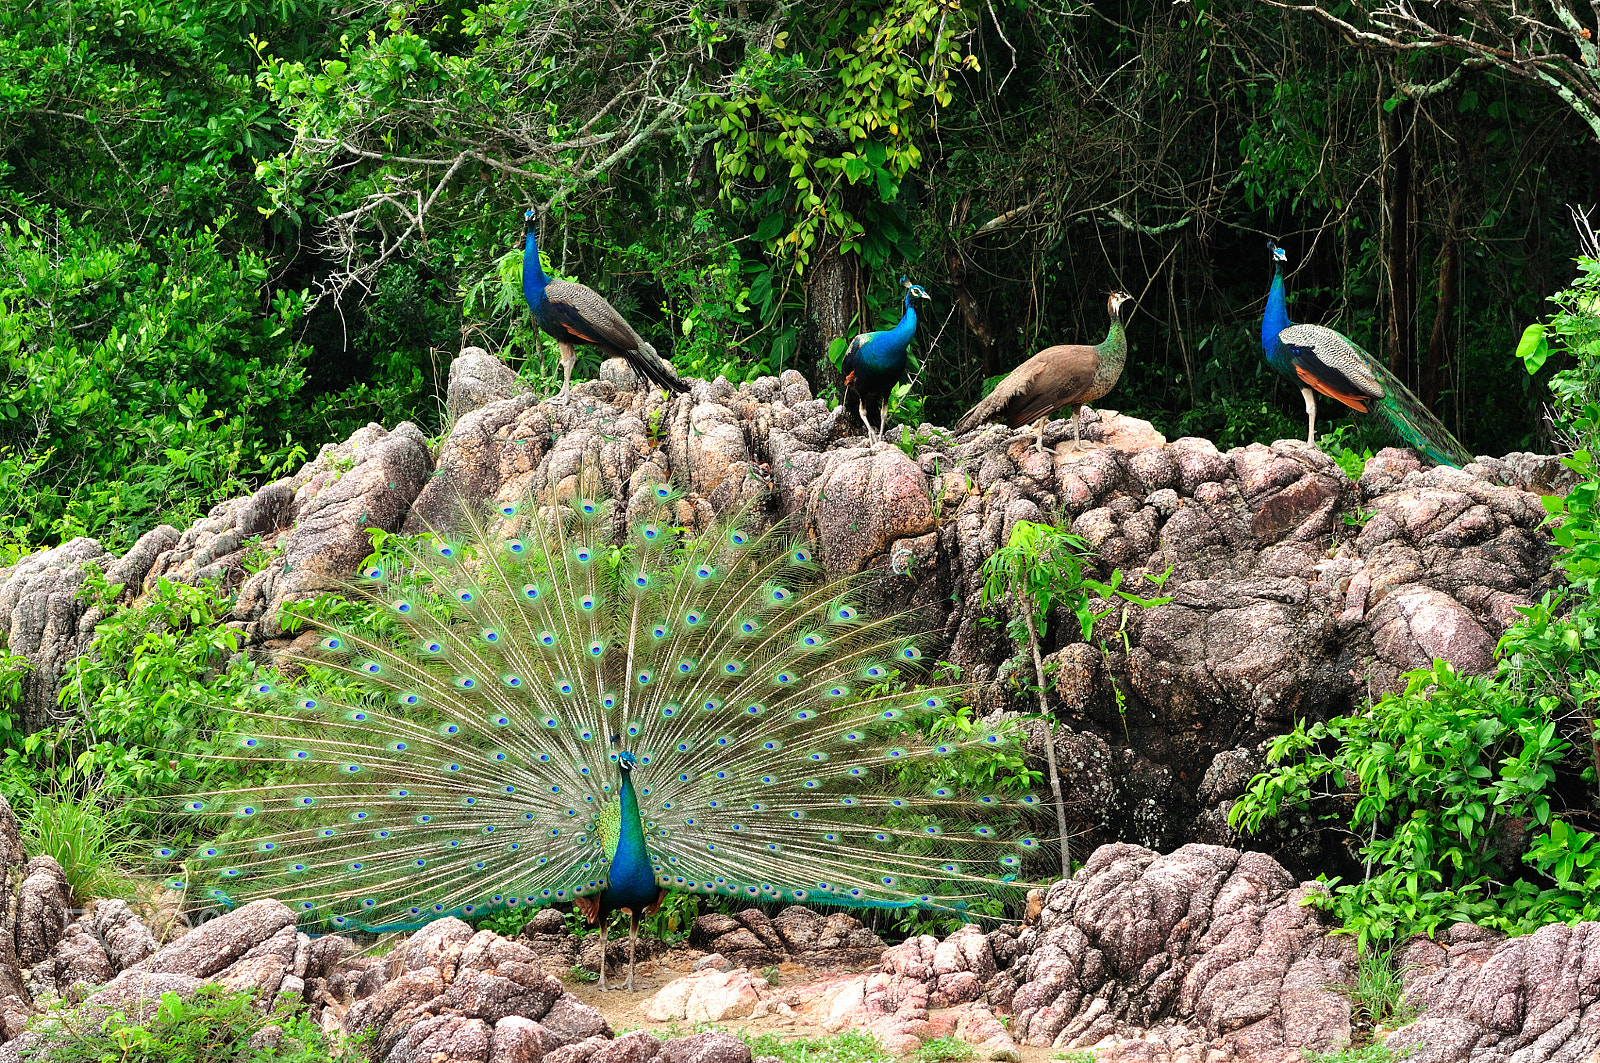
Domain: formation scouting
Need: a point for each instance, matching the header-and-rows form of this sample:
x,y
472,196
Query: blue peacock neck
x,y
533,278
632,880
1275,318
897,339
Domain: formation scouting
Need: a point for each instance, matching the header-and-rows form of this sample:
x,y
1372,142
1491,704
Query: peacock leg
x,y
633,945
1038,433
883,418
569,358
602,954
1311,415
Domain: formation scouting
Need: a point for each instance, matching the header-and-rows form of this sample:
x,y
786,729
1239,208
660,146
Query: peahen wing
x,y
1053,378
459,752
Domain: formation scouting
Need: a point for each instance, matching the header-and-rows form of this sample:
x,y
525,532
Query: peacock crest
x,y
535,712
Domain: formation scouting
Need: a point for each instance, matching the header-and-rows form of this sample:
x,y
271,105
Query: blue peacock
x,y
563,706
575,313
1325,361
876,361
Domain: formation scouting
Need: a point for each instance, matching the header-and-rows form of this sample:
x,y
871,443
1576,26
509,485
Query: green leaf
x,y
770,226
1533,348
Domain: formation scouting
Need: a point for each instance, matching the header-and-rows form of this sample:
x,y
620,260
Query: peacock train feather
x,y
552,716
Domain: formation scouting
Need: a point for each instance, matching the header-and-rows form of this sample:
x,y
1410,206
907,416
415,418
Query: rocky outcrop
x,y
798,934
1294,592
15,1003
253,948
454,987
1208,938
1484,997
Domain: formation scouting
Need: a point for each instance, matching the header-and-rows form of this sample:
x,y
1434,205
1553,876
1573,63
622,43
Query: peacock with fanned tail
x,y
552,717
1327,362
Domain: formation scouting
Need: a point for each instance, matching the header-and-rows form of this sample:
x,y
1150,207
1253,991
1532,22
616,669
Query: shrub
x,y
213,1026
90,844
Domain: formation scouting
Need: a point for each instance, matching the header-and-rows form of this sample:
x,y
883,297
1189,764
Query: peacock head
x,y
528,217
626,760
913,290
1278,253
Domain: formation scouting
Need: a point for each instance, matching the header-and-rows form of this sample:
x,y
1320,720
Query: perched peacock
x,y
562,707
876,361
575,313
1325,361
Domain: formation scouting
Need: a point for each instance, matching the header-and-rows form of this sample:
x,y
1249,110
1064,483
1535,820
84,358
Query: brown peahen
x,y
1055,378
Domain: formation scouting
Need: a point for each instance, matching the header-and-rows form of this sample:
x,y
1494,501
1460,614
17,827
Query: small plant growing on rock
x,y
847,1046
941,1049
1379,992
1040,568
89,843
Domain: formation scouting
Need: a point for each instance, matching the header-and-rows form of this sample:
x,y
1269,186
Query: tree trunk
x,y
833,304
1399,238
972,314
1026,605
1430,381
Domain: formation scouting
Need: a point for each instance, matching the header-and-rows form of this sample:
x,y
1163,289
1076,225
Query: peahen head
x,y
1116,302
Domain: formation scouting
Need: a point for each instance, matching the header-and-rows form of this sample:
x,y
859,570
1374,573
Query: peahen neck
x,y
1275,319
632,879
533,278
1113,352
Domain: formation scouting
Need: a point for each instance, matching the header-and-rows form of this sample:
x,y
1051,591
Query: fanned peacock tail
x,y
1413,422
469,759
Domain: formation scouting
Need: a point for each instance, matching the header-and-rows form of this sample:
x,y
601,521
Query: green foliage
x,y
847,1046
1373,1053
1379,992
139,712
1044,566
141,381
1572,337
1343,446
507,922
1431,783
942,1049
89,843
214,1026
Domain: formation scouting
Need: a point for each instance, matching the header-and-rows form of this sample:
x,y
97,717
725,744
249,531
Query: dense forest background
x,y
232,230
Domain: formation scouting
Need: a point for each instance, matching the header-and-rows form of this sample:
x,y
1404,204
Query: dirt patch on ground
x,y
626,1010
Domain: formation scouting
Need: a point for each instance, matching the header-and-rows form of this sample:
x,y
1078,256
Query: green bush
x,y
89,843
140,381
213,1026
